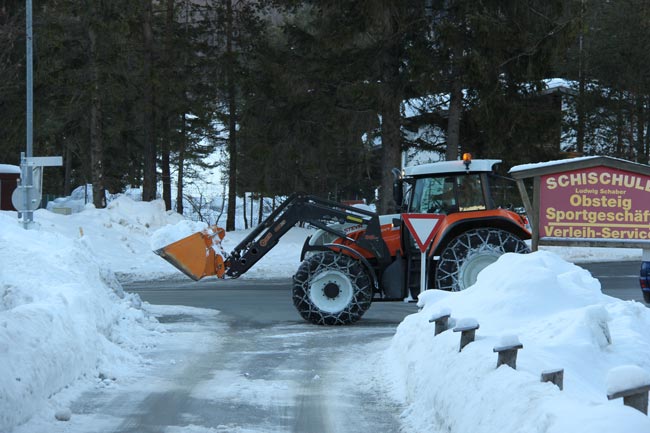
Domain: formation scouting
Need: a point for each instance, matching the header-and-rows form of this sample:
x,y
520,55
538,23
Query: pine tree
x,y
499,52
620,64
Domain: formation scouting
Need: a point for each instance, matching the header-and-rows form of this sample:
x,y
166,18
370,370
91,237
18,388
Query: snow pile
x,y
123,236
63,316
83,196
557,311
172,233
118,237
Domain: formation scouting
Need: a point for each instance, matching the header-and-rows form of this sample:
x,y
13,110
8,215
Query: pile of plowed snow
x,y
558,313
63,316
63,313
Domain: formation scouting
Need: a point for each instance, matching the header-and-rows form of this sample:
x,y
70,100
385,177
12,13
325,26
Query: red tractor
x,y
357,257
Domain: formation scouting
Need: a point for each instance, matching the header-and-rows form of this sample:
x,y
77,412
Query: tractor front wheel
x,y
331,289
471,252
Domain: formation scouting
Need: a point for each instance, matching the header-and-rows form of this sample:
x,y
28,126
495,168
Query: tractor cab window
x,y
447,194
470,193
434,195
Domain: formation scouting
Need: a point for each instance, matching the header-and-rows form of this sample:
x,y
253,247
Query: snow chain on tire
x,y
331,289
470,252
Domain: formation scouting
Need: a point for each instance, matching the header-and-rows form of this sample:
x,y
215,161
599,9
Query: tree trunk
x,y
252,213
232,122
391,151
453,122
133,171
244,210
181,166
260,213
149,175
96,143
640,121
167,115
631,110
580,138
580,133
619,127
390,103
166,175
647,141
67,176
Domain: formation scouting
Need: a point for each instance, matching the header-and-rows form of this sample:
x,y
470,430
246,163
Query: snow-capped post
x,y
556,377
630,382
423,227
507,351
467,329
441,319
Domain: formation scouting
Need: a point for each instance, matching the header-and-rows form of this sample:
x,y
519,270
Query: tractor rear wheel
x,y
471,252
331,289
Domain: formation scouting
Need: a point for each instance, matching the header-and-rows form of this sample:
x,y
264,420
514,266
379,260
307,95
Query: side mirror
x,y
398,188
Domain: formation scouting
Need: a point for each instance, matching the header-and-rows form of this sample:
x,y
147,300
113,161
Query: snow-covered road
x,y
210,374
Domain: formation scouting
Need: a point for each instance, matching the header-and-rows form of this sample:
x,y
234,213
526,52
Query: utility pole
x,y
27,197
27,170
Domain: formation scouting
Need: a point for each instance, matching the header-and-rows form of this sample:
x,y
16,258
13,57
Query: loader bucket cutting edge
x,y
194,256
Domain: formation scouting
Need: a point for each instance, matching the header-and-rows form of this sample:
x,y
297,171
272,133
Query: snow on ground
x,y
63,316
64,319
587,255
557,311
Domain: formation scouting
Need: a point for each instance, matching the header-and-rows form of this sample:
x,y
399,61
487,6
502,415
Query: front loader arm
x,y
301,208
195,254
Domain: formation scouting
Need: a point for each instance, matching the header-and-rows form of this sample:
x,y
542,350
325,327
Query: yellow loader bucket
x,y
196,255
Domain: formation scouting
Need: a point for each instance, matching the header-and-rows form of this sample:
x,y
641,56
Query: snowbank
x,y
118,237
557,311
63,316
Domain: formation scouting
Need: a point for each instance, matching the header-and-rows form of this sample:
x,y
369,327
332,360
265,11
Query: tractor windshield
x,y
447,194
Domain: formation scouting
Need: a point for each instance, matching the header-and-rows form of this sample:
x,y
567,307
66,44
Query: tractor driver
x,y
444,201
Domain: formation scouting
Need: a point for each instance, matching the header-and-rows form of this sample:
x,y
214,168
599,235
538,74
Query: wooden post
x,y
442,321
636,398
556,377
467,332
508,355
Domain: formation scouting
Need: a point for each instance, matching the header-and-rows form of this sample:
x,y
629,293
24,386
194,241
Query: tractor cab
x,y
475,230
447,187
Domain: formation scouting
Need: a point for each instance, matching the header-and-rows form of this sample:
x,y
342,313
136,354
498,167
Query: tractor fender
x,y
337,248
454,228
